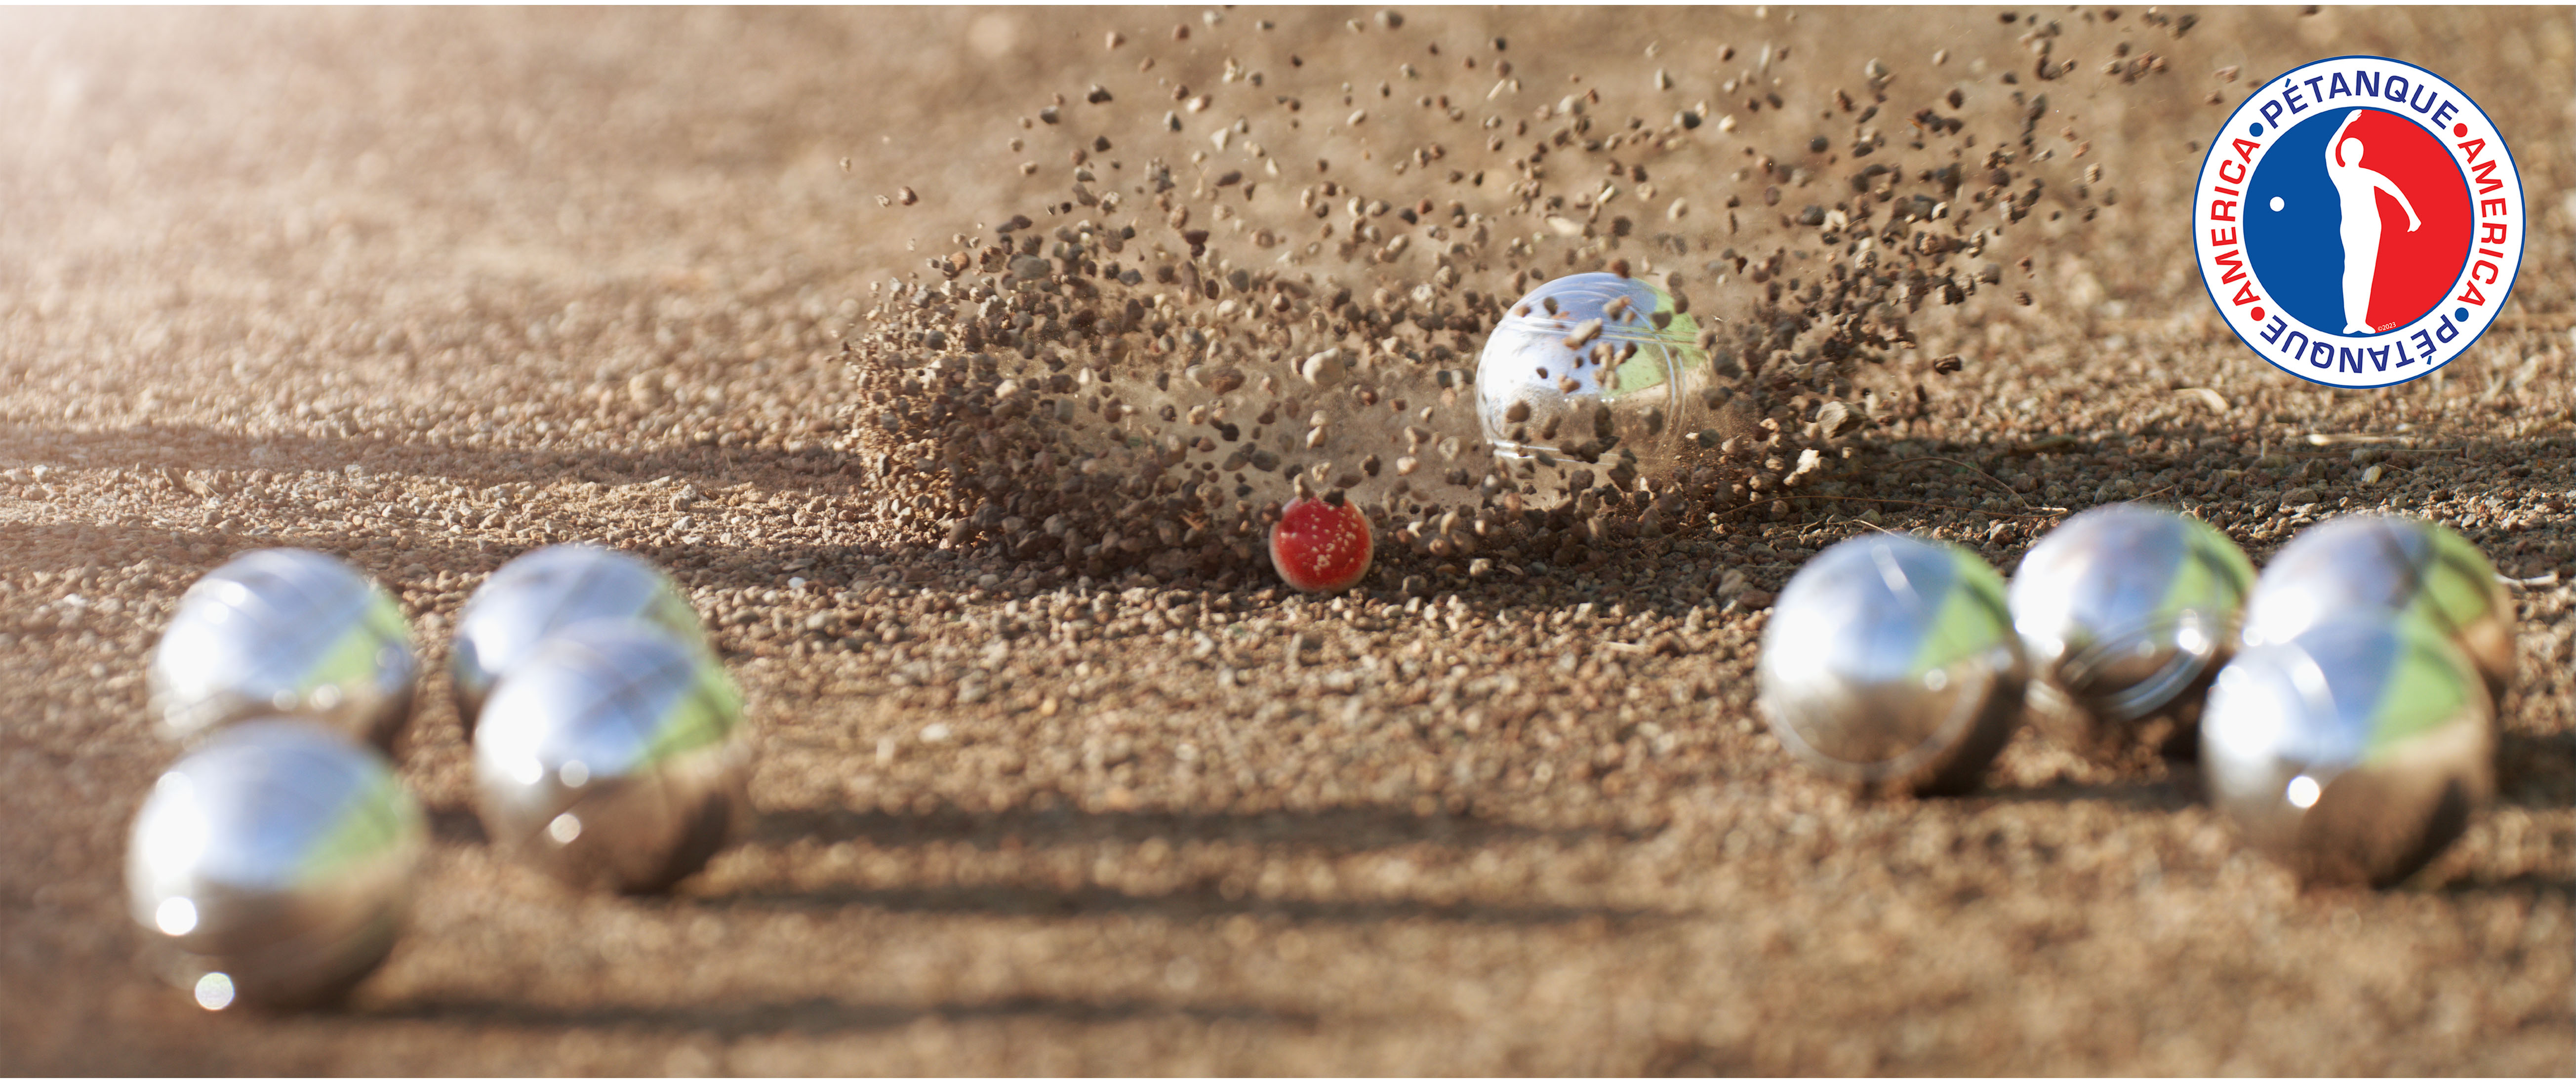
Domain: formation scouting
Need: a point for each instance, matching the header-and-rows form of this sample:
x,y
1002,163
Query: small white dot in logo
x,y
2276,203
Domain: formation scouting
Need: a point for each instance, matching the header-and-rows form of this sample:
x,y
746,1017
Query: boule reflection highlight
x,y
1594,365
274,865
286,631
2358,563
2126,612
2354,751
612,756
1890,661
546,591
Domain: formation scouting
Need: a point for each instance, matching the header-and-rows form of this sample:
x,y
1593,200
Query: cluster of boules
x,y
2354,736
608,750
273,864
2342,704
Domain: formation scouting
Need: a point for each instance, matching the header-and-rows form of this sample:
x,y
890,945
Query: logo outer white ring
x,y
2507,267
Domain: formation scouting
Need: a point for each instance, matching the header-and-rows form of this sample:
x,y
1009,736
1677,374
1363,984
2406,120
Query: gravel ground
x,y
1053,777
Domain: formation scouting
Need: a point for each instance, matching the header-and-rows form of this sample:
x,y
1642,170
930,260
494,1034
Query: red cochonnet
x,y
1320,546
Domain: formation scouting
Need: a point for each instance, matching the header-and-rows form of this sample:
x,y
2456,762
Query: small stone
x,y
1323,369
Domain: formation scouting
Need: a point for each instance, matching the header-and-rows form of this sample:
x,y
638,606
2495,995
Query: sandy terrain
x,y
430,289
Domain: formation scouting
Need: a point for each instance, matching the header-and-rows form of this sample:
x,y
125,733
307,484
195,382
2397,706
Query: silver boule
x,y
274,865
2362,562
1890,662
548,590
286,631
612,756
2126,612
2354,751
1613,366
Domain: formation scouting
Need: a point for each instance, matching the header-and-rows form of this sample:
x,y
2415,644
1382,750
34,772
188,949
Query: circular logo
x,y
2358,221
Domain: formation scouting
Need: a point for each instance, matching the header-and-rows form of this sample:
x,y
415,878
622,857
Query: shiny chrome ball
x,y
612,756
1591,365
274,864
286,631
2366,562
546,591
2354,751
2126,612
1890,661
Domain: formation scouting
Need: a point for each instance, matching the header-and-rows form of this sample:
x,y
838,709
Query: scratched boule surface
x,y
1070,784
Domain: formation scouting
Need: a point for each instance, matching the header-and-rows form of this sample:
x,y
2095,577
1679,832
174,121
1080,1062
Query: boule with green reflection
x,y
2356,563
546,590
1597,368
1890,663
286,631
2126,611
274,865
2353,752
612,757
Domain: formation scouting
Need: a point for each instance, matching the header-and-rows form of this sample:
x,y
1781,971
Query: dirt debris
x,y
1089,323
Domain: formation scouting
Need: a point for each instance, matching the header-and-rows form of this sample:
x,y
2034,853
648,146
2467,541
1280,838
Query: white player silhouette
x,y
2359,190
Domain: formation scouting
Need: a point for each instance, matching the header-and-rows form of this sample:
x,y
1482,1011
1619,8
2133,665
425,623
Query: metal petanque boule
x,y
274,864
2126,612
2354,751
1591,364
612,756
286,631
547,590
1890,662
2360,563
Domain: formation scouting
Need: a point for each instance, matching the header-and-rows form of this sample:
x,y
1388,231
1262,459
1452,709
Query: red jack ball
x,y
1321,546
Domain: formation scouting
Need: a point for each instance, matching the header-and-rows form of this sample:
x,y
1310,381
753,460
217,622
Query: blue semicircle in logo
x,y
2298,250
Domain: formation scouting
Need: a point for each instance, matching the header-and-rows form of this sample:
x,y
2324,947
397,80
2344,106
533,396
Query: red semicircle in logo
x,y
2415,268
